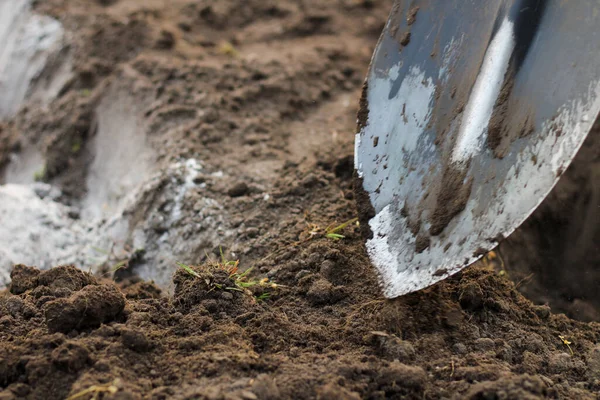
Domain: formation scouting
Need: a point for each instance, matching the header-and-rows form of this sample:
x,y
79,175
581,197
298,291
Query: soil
x,y
362,115
325,333
405,39
454,192
364,208
499,115
412,15
506,124
265,95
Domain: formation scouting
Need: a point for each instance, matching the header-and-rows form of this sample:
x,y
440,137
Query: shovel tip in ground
x,y
469,117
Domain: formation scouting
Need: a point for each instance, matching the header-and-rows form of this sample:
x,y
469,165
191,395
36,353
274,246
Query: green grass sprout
x,y
333,233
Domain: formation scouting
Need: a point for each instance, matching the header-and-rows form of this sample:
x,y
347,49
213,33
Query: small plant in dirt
x,y
332,231
566,342
228,49
76,146
40,175
493,260
213,272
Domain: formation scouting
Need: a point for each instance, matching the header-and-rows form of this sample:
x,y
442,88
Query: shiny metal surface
x,y
472,110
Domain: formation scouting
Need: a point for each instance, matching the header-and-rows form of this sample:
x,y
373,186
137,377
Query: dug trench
x,y
188,130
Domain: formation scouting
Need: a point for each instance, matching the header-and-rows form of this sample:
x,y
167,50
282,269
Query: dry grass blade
x,y
94,390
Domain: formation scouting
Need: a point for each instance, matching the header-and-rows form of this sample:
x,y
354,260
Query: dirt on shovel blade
x,y
208,132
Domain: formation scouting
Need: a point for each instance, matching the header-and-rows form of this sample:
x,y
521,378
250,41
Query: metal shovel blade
x,y
471,111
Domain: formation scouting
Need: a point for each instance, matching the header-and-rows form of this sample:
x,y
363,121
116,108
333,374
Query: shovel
x,y
470,113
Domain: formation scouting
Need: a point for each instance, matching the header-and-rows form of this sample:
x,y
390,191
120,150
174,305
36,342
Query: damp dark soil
x,y
454,192
362,115
325,333
509,121
499,115
274,86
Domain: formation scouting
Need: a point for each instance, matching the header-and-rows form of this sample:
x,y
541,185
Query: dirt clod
x,y
332,391
87,308
135,340
23,278
392,348
405,39
239,189
66,277
471,296
522,387
166,40
323,292
402,380
593,359
71,356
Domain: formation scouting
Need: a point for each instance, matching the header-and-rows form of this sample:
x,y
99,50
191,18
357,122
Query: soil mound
x,y
324,333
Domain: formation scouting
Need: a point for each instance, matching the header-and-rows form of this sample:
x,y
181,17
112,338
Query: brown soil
x,y
325,334
495,128
452,199
412,15
270,109
508,122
